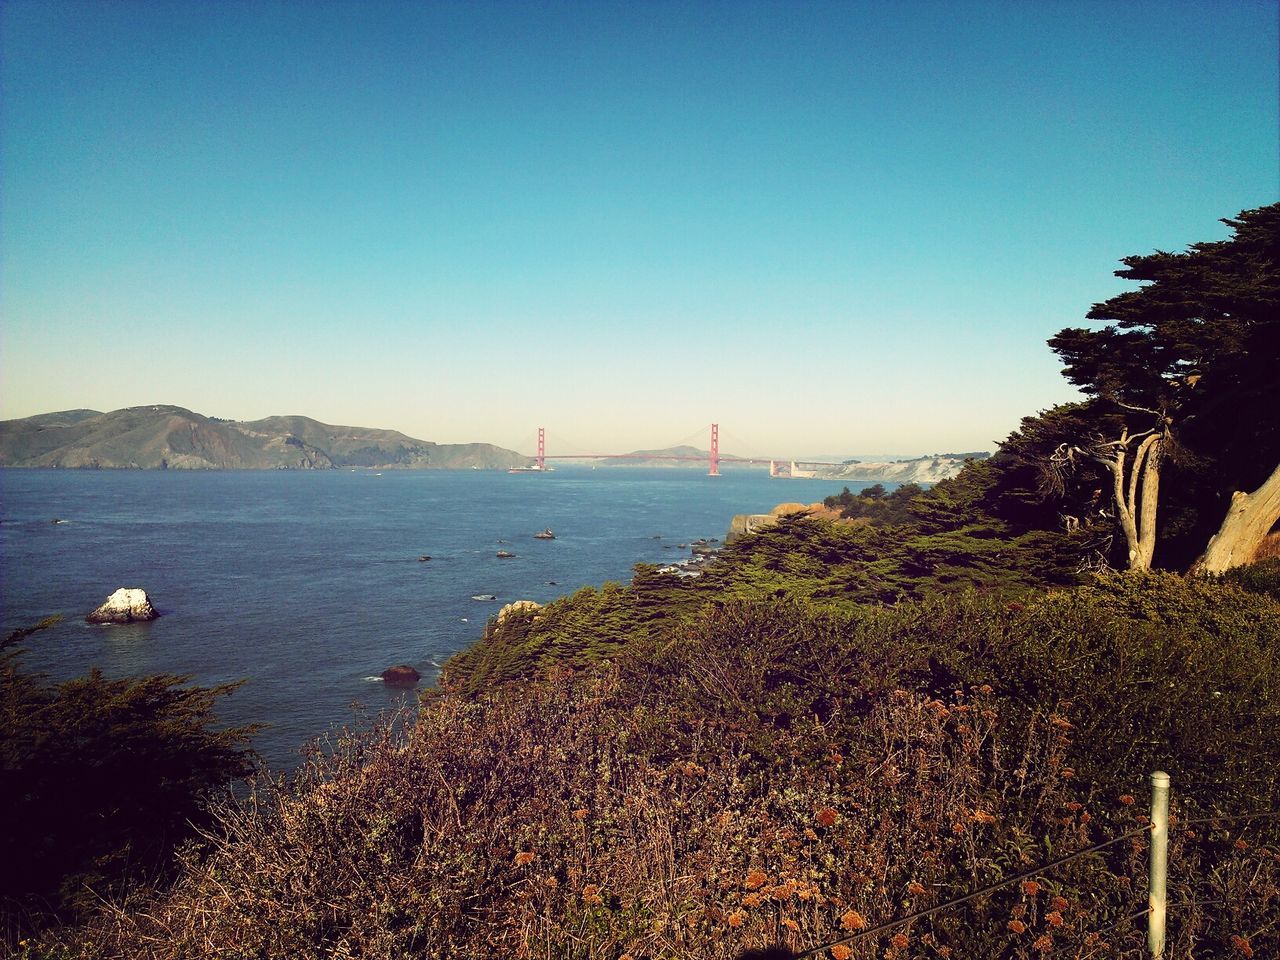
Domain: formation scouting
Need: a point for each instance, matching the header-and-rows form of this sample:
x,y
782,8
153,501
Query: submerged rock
x,y
126,605
401,675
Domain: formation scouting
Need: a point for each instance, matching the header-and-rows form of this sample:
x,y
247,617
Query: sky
x,y
834,227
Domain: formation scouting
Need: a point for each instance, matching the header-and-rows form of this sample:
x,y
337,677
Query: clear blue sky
x,y
833,227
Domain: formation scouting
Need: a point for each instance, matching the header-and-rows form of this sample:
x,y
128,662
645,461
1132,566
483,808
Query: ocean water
x,y
306,584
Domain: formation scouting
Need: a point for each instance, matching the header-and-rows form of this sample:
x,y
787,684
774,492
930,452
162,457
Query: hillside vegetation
x,y
168,437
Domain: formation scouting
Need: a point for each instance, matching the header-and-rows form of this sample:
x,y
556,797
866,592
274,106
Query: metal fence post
x,y
1159,863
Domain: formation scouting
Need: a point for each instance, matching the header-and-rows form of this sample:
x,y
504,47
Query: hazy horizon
x,y
823,226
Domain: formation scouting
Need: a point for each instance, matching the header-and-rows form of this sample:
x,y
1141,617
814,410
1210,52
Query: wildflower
x,y
827,817
944,952
852,920
1044,943
591,894
1241,946
580,813
755,880
986,689
809,834
957,828
1067,773
1074,807
841,952
1053,918
552,882
1059,903
1062,723
981,816
915,889
900,941
1127,799
1030,887
736,919
1017,926
790,924
1241,845
524,857
751,900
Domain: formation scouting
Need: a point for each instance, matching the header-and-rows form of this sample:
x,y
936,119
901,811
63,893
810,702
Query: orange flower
x,y
580,813
755,879
1044,943
900,941
736,919
981,816
1241,946
523,857
1030,887
841,952
915,889
852,920
790,924
944,952
1059,903
985,689
751,900
1017,926
827,817
1127,799
591,894
1053,918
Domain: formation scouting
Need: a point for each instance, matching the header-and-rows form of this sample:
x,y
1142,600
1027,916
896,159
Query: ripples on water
x,y
307,584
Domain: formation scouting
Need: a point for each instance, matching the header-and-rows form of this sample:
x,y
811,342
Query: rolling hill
x,y
169,437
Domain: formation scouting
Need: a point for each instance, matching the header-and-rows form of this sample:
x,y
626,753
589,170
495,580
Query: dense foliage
x,y
100,780
779,771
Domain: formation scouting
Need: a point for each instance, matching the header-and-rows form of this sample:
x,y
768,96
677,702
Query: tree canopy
x,y
1184,375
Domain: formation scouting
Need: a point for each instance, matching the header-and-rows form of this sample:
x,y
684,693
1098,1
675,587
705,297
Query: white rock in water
x,y
126,605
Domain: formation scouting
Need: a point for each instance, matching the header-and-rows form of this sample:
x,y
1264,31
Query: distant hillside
x,y
655,458
931,469
168,437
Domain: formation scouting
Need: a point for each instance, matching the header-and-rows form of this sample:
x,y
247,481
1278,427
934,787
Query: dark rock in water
x,y
545,535
402,675
126,605
551,583
703,550
423,559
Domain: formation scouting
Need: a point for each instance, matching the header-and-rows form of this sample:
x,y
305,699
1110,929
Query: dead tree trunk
x,y
1247,523
1135,485
1136,491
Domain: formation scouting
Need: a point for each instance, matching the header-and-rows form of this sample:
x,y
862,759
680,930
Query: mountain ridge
x,y
165,436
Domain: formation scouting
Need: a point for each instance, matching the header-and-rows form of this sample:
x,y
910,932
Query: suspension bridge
x,y
778,466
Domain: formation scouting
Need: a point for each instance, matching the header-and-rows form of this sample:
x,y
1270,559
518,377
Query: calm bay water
x,y
306,584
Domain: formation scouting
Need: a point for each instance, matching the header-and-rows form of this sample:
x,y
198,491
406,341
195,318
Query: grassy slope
x,y
774,771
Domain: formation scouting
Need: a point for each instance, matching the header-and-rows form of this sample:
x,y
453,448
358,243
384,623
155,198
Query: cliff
x,y
169,437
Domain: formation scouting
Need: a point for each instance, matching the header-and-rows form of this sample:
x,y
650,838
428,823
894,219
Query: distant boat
x,y
533,469
484,596
545,535
504,555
